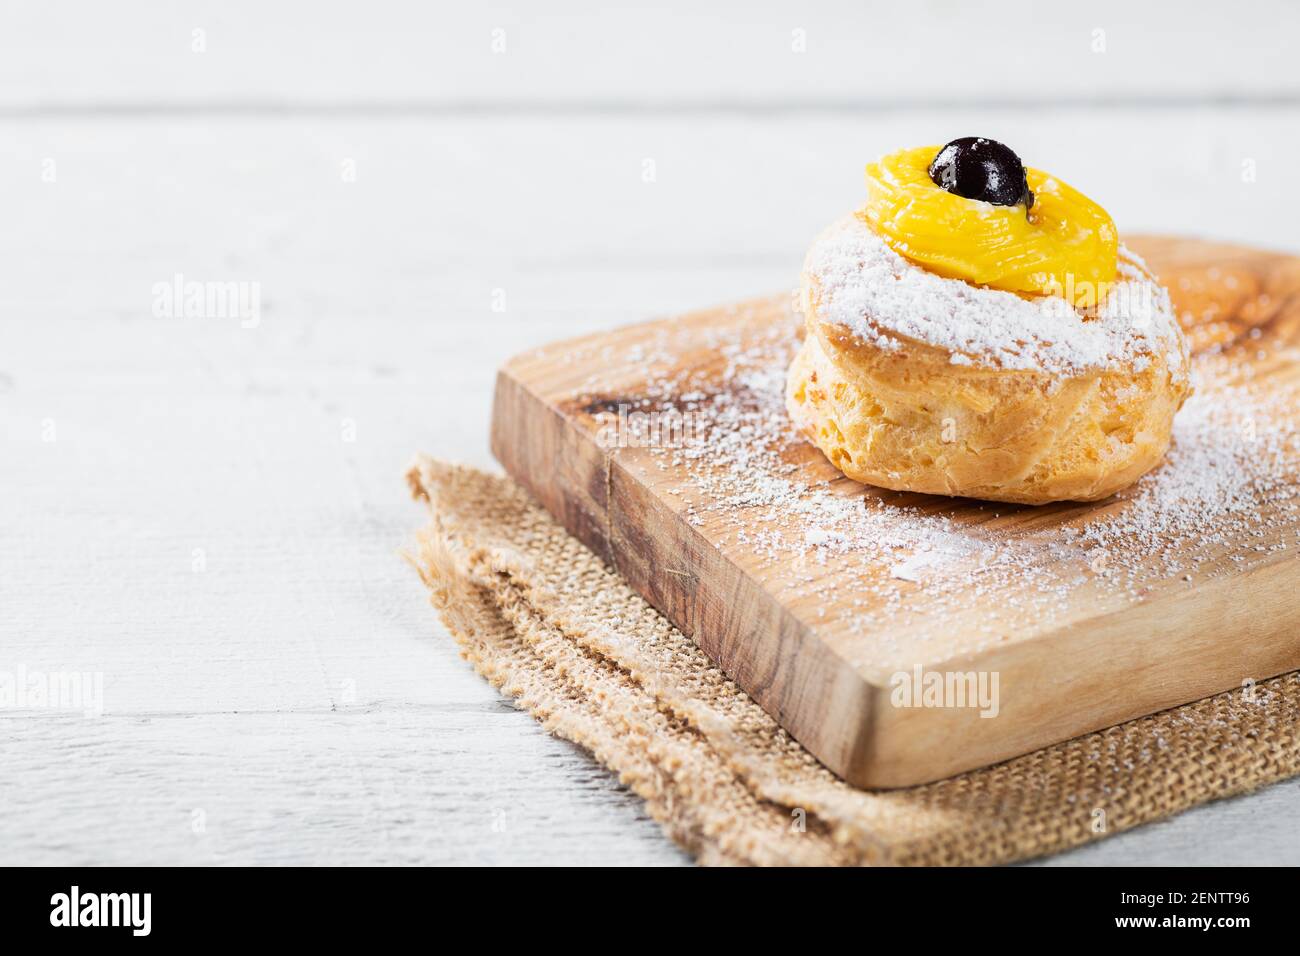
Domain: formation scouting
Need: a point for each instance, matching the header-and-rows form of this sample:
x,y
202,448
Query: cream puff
x,y
977,330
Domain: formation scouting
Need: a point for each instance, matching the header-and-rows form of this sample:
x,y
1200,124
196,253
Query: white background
x,y
294,700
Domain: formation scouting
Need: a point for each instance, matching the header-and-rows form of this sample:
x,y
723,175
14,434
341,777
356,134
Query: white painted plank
x,y
469,783
883,52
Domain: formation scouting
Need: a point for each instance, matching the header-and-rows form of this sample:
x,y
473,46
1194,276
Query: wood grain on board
x,y
1110,655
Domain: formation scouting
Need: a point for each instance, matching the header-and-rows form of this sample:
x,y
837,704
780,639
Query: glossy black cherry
x,y
983,169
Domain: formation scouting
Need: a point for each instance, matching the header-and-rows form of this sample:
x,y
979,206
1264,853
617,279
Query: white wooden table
x,y
207,512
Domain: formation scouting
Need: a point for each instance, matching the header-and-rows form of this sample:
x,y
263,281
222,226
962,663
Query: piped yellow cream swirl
x,y
1064,245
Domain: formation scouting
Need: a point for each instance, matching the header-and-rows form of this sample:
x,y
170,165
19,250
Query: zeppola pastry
x,y
977,329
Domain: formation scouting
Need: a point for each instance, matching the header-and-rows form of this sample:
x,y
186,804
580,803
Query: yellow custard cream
x,y
1055,241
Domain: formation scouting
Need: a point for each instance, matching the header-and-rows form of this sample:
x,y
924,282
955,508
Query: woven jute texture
x,y
550,625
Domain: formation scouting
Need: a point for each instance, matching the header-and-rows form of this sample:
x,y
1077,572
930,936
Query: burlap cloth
x,y
550,625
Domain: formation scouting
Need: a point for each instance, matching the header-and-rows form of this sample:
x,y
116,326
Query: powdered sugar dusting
x,y
889,569
863,285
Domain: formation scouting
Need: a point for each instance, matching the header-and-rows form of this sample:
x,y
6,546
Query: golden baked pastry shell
x,y
909,419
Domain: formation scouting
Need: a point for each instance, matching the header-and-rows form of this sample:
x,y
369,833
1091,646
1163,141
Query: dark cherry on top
x,y
983,169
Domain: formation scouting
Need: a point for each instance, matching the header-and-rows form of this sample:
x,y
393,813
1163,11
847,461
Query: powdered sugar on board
x,y
898,559
856,281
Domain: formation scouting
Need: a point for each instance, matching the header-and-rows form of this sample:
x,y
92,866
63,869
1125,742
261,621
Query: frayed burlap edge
x,y
547,623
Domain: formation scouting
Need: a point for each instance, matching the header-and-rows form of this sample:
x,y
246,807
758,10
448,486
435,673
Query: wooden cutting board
x,y
903,638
